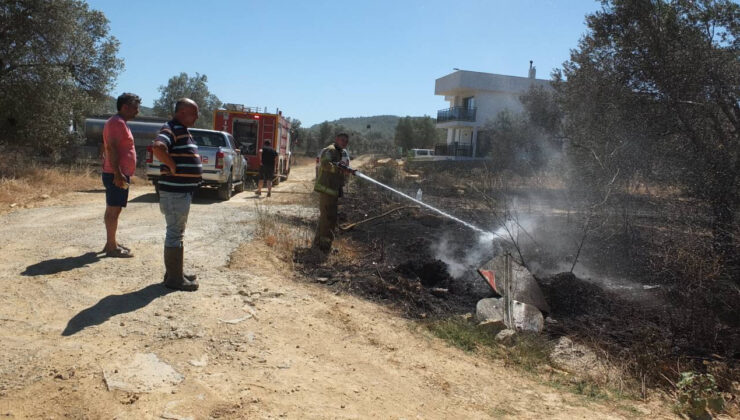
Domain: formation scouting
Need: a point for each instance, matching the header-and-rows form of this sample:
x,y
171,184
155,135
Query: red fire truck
x,y
250,129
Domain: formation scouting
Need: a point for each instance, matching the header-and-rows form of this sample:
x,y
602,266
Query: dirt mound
x,y
570,296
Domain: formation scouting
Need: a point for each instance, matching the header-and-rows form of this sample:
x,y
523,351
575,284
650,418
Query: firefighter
x,y
329,183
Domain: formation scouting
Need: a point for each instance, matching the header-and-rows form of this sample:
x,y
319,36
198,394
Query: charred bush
x,y
431,273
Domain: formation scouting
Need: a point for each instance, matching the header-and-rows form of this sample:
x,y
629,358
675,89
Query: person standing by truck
x,y
329,183
181,175
119,163
267,168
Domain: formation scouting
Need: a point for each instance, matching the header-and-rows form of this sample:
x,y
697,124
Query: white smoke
x,y
459,260
516,230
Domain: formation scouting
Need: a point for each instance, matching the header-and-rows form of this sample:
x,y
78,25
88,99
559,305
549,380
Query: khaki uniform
x,y
329,183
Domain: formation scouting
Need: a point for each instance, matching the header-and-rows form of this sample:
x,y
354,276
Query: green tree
x,y
297,132
653,89
405,135
195,88
513,143
325,135
57,63
426,134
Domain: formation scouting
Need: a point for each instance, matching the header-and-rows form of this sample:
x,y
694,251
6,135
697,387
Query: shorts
x,y
267,173
115,196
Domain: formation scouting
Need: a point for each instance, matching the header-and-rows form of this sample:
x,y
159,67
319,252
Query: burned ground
x,y
640,319
392,259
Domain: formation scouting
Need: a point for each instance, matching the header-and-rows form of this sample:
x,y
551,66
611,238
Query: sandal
x,y
119,253
124,247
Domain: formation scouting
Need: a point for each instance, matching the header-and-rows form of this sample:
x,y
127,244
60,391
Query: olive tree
x,y
195,88
57,63
653,89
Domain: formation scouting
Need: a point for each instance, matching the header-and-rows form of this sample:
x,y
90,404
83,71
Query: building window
x,y
469,102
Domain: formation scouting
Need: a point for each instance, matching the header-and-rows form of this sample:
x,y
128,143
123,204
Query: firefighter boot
x,y
188,276
173,259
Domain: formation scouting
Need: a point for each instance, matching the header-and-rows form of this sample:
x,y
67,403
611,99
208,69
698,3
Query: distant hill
x,y
110,108
383,124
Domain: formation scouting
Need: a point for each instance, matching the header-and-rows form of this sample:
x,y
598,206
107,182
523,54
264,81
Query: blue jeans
x,y
175,206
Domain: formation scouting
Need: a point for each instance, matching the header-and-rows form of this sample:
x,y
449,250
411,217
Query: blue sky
x,y
322,60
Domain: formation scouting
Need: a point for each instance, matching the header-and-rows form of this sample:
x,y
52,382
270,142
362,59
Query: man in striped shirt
x,y
180,176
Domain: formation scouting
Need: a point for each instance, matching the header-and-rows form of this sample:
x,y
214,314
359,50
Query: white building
x,y
475,98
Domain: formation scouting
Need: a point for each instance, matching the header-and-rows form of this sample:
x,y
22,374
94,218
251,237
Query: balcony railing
x,y
456,113
453,149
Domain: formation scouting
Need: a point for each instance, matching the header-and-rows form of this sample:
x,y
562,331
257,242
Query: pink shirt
x,y
116,128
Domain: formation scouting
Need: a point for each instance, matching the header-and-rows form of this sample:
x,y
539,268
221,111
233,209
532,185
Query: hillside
x,y
383,124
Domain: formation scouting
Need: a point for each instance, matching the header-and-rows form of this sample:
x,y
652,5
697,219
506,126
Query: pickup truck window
x,y
209,139
231,141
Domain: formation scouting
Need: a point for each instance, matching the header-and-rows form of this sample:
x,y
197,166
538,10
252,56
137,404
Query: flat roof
x,y
465,81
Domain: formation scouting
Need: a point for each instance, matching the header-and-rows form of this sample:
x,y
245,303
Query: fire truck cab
x,y
251,128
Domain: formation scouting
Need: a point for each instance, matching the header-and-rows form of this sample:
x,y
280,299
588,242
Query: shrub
x,y
698,395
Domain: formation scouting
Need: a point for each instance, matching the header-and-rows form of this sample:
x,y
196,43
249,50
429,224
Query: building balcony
x,y
456,113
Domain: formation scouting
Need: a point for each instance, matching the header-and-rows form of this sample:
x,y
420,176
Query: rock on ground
x,y
527,317
490,309
144,373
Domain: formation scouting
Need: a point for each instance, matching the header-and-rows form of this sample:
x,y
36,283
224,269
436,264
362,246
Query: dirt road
x,y
90,337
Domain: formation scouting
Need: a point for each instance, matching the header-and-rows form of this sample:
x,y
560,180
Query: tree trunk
x,y
723,238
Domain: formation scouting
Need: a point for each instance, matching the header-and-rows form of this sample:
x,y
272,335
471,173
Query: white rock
x,y
143,373
527,317
504,335
572,356
203,361
167,414
491,309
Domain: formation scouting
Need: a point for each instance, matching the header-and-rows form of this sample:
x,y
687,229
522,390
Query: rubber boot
x,y
173,258
189,276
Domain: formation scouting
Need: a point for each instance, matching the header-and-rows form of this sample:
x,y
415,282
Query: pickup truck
x,y
224,167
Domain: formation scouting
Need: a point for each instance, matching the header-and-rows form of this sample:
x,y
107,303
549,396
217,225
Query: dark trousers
x,y
327,221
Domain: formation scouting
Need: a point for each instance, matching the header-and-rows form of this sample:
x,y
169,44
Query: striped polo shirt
x,y
183,150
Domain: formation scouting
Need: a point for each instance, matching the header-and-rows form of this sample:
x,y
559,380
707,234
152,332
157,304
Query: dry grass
x,y
21,186
276,232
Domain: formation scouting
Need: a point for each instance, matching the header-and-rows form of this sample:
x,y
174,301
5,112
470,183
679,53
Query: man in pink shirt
x,y
119,163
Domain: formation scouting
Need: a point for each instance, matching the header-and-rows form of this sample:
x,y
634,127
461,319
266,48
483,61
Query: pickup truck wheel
x,y
224,190
240,188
